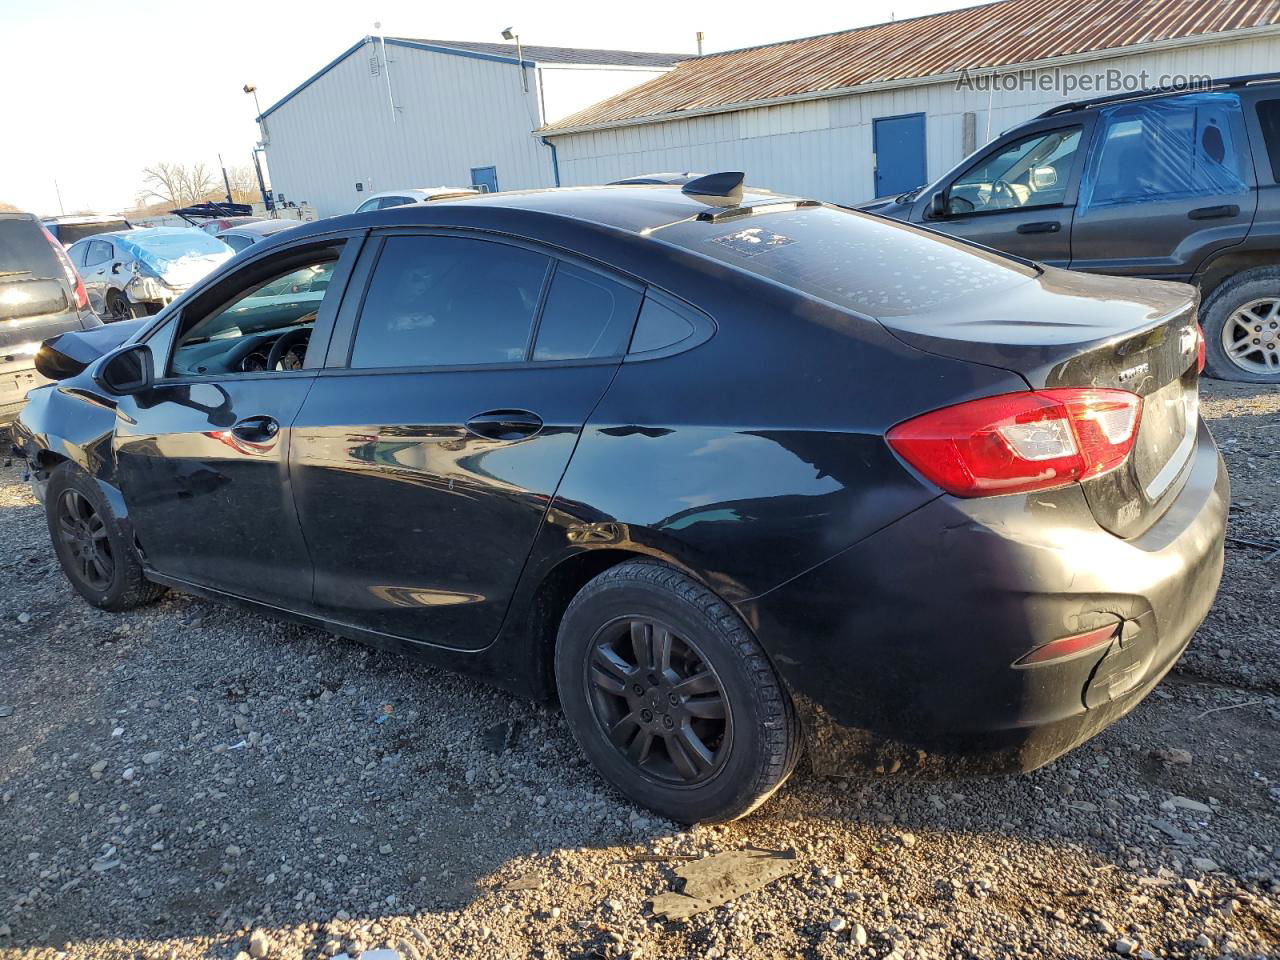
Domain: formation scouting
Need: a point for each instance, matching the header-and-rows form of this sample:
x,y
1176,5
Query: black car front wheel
x,y
92,545
671,697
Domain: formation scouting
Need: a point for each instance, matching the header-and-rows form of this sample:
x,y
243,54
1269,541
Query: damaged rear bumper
x,y
902,653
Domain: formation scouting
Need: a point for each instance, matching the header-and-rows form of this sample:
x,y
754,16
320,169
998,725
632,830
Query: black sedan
x,y
724,473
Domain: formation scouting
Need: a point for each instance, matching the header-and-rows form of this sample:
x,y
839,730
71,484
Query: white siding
x,y
454,113
823,148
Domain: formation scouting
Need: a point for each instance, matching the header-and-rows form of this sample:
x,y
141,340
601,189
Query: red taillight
x,y
1199,349
73,278
1065,647
1017,442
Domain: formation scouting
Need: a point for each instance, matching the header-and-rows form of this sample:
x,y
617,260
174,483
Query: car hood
x,y
69,354
886,207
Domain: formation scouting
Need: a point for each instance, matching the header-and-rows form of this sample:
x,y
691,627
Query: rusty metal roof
x,y
997,34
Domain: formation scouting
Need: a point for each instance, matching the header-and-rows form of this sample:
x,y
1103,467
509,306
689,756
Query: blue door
x,y
486,178
898,143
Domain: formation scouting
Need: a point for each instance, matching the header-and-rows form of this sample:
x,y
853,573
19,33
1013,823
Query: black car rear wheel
x,y
118,308
671,697
92,545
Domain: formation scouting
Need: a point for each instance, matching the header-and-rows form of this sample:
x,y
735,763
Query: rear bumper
x,y
14,387
900,652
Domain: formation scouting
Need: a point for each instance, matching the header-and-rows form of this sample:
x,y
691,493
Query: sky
x,y
95,91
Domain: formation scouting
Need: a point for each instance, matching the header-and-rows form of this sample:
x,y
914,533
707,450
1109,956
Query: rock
x,y
838,923
1174,755
96,770
908,840
1185,803
24,618
859,936
1204,864
259,945
384,848
1123,947
6,710
1104,926
555,913
152,758
1203,942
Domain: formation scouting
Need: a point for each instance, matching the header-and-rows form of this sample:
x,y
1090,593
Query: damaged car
x,y
135,273
728,475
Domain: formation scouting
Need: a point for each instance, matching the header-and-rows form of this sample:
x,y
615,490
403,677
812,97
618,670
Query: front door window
x,y
1031,172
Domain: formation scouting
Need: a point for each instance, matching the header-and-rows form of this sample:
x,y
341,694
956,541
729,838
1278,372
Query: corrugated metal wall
x,y
822,148
456,113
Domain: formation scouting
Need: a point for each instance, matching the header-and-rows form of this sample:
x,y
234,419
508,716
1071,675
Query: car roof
x,y
632,208
419,192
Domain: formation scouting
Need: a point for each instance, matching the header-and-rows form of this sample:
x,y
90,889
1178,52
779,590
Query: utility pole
x,y
226,182
61,210
699,43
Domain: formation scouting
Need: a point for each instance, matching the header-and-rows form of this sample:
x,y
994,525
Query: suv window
x,y
586,315
238,336
436,301
1173,149
24,249
1031,172
1269,120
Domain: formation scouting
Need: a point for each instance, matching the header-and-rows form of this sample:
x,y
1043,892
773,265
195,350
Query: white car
x,y
398,198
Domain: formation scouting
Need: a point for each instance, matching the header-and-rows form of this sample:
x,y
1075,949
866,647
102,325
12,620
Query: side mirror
x,y
1043,178
937,208
125,372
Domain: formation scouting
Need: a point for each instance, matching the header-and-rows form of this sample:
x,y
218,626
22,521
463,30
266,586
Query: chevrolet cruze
x,y
729,474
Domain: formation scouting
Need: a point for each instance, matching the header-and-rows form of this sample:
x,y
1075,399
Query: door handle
x,y
1042,226
1214,213
505,424
256,429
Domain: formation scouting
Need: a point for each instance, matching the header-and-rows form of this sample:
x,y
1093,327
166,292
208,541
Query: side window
x,y
76,252
236,242
371,204
241,336
1269,120
436,301
98,252
658,327
586,315
1192,146
1031,172
386,202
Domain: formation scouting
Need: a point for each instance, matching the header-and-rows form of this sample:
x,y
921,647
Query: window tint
x,y
1031,172
1269,120
586,315
393,202
238,337
659,326
1190,146
448,300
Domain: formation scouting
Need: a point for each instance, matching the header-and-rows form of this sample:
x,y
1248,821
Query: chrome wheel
x,y
84,534
658,701
1251,336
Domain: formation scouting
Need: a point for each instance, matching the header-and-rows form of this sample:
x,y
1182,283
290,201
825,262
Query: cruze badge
x,y
1136,370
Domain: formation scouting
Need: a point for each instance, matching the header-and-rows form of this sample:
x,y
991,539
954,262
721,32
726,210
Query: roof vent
x,y
716,189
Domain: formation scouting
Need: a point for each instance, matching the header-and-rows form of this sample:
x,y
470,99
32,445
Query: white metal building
x,y
398,113
848,116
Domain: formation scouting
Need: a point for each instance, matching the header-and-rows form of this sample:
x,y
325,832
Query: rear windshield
x,y
69,233
855,261
25,250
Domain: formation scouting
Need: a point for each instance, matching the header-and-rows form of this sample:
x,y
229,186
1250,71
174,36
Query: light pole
x,y
510,34
250,89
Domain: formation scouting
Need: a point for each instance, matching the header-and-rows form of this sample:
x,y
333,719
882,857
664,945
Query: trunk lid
x,y
1065,329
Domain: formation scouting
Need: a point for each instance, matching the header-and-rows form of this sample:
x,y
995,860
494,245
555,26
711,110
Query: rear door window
x,y
586,315
1269,120
99,252
24,249
447,301
1160,150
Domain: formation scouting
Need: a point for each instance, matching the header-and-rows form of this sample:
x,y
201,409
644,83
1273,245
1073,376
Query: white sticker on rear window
x,y
752,241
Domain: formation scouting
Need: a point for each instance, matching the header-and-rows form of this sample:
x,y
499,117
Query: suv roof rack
x,y
1226,83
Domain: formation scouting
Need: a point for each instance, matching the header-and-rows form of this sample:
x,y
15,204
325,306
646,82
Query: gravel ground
x,y
190,781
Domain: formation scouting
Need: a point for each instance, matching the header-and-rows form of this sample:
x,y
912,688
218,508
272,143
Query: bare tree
x,y
8,208
178,184
244,185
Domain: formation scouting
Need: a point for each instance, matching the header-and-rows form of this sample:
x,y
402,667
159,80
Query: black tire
x,y
1234,294
81,522
118,308
738,760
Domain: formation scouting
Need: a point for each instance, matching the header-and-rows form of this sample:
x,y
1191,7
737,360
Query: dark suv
x,y
41,296
1167,185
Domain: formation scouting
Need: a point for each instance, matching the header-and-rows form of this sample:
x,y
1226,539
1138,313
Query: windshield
x,y
873,266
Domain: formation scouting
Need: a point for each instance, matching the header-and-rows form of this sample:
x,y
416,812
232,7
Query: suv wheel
x,y
92,545
671,697
1242,327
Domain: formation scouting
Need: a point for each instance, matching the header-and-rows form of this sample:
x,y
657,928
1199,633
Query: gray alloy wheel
x,y
1251,336
1241,320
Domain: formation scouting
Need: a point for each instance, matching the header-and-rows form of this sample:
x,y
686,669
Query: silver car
x,y
134,273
